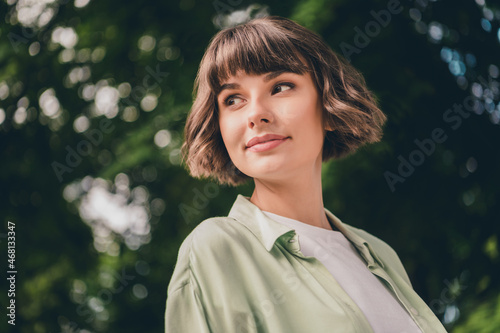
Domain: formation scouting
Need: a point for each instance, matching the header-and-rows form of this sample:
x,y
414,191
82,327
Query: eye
x,y
282,87
232,100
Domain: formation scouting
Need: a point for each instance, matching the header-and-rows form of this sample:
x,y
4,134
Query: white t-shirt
x,y
381,308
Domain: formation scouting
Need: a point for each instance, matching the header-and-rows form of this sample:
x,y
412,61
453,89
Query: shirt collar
x,y
364,248
264,228
268,230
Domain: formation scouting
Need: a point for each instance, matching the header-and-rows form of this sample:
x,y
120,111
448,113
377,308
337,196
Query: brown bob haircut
x,y
266,45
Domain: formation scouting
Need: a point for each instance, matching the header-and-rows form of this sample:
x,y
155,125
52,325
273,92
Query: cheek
x,y
224,125
228,130
310,114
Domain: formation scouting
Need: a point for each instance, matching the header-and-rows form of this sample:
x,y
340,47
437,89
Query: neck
x,y
300,199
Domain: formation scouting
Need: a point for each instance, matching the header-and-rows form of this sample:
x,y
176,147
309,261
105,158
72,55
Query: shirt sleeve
x,y
185,312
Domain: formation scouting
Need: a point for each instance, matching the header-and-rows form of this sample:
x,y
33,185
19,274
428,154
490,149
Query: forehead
x,y
253,53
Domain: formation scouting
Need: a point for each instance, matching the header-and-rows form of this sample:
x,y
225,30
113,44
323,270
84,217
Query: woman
x,y
272,103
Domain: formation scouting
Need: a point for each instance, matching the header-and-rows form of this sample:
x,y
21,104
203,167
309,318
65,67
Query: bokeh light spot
x,y
67,37
81,3
49,103
98,54
81,124
106,101
67,55
140,291
457,67
20,116
471,164
446,54
4,90
130,114
146,43
162,138
435,31
493,71
149,102
34,49
486,25
2,116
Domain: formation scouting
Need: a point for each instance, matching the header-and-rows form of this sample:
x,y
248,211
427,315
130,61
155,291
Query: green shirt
x,y
245,273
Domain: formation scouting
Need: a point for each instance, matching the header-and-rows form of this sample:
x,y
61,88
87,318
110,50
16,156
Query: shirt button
x,y
414,311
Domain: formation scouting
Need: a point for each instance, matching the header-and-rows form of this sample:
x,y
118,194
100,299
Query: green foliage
x,y
483,318
134,63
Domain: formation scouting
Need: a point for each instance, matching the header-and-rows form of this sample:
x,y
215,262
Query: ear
x,y
329,128
327,122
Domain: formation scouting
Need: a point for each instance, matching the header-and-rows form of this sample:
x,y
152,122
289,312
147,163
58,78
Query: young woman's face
x,y
271,124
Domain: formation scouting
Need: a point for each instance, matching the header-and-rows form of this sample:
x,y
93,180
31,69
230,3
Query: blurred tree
x,y
94,96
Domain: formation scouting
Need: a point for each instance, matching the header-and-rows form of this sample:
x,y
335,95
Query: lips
x,y
264,138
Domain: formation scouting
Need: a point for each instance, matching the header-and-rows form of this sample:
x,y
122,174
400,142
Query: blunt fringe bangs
x,y
270,44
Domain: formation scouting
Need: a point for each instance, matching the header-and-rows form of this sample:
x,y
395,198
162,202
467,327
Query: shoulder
x,y
216,234
211,241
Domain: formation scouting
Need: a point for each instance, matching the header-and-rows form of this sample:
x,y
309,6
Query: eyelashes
x,y
229,99
285,84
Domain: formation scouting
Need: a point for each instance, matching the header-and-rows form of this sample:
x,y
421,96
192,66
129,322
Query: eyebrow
x,y
267,78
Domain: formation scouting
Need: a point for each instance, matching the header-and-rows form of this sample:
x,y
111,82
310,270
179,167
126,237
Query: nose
x,y
260,113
